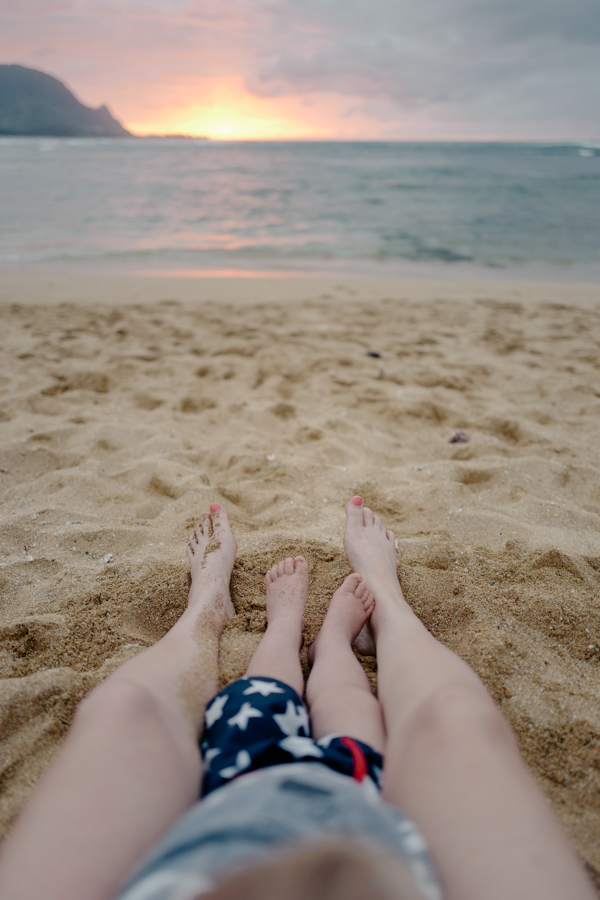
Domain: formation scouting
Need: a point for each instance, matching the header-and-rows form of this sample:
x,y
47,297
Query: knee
x,y
456,714
120,701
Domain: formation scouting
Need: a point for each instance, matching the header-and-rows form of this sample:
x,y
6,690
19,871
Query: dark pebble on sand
x,y
374,354
459,437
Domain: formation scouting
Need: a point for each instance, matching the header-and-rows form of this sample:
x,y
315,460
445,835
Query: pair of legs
x,y
338,693
130,764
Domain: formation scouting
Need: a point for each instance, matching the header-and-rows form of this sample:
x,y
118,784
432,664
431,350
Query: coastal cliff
x,y
33,103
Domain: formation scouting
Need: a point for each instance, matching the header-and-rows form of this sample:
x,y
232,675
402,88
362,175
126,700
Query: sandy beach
x,y
128,405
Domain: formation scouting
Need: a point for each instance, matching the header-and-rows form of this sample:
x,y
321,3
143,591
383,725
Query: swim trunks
x,y
255,723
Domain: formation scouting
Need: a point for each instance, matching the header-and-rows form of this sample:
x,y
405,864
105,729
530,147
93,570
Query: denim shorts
x,y
243,823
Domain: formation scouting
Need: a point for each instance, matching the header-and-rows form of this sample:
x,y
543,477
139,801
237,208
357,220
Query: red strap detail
x,y
361,770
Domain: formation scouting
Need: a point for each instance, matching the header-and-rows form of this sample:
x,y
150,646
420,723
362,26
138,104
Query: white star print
x,y
263,687
242,761
294,718
242,717
215,710
210,755
300,746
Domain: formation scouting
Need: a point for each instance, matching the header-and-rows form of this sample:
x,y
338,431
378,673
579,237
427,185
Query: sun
x,y
230,122
226,111
241,117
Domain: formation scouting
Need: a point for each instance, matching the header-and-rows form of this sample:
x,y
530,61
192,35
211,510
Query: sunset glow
x,y
227,111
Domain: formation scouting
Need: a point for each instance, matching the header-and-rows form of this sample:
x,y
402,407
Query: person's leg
x,y
277,655
130,764
338,693
451,760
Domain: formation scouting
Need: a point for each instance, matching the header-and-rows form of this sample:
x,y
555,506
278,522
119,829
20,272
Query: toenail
x,y
214,507
357,501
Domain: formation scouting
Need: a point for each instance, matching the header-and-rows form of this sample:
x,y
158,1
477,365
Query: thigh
x,y
457,771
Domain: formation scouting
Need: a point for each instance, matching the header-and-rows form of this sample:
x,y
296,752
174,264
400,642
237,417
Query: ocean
x,y
185,206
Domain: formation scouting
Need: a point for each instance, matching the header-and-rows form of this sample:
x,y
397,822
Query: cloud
x,y
524,59
478,68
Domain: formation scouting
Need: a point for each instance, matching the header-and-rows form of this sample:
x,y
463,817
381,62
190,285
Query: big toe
x,y
219,516
354,510
352,582
361,590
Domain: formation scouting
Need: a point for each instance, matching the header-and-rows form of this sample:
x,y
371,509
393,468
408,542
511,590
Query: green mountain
x,y
33,103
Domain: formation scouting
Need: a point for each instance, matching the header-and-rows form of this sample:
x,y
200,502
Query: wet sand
x,y
129,405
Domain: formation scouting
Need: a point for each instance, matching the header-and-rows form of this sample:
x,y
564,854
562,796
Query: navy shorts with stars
x,y
258,722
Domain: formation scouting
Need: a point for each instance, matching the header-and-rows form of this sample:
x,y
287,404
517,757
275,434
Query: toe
x,y
289,566
352,582
377,521
281,567
190,552
299,562
367,516
361,591
207,528
268,578
354,511
198,532
220,517
274,572
390,536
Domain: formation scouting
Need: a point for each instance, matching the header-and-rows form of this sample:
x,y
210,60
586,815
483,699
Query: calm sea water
x,y
180,204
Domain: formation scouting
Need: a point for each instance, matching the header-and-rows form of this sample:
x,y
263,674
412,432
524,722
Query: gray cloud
x,y
526,64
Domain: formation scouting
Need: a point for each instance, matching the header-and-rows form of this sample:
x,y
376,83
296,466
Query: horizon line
x,y
590,142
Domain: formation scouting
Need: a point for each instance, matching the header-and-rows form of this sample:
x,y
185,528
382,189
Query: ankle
x,y
329,637
286,630
388,620
207,591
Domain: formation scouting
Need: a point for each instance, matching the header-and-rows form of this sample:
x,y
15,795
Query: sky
x,y
323,69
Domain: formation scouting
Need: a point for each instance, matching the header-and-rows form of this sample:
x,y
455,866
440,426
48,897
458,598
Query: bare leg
x,y
338,692
130,764
277,655
452,762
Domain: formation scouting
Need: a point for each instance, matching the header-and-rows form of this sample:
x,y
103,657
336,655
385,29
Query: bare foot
x,y
287,587
349,610
211,552
371,549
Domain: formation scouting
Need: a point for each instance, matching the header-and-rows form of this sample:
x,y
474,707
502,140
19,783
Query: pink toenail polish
x,y
214,507
357,501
